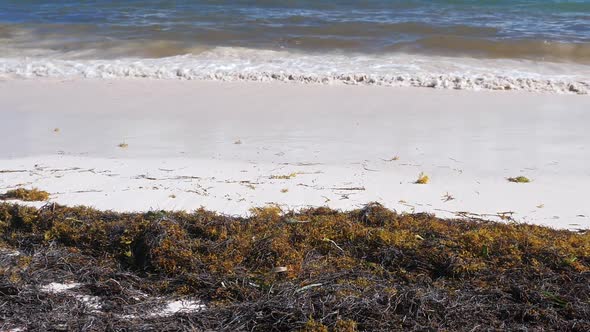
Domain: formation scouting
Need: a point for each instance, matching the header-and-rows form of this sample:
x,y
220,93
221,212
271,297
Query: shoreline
x,y
233,146
237,64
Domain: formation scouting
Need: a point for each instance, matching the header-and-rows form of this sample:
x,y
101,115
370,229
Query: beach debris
x,y
238,142
540,206
172,196
2,171
146,177
123,145
348,188
284,177
519,179
369,169
302,164
394,158
28,195
505,215
447,197
284,190
325,239
134,270
280,269
56,130
304,288
422,179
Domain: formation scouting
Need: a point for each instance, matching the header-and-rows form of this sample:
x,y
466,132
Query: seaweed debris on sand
x,y
519,179
28,195
364,270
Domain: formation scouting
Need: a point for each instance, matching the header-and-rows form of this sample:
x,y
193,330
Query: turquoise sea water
x,y
479,28
308,33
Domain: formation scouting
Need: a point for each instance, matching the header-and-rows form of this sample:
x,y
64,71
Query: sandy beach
x,y
316,166
231,146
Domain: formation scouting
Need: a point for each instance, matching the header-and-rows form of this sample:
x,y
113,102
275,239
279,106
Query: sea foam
x,y
238,64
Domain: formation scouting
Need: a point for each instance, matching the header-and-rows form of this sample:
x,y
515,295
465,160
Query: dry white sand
x,y
333,145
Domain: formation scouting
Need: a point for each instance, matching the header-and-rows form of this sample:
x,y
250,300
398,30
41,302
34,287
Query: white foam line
x,y
236,64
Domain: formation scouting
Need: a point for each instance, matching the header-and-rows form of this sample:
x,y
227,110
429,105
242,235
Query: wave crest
x,y
231,64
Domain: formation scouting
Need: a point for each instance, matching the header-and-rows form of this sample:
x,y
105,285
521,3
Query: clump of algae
x,y
29,195
422,179
284,177
519,179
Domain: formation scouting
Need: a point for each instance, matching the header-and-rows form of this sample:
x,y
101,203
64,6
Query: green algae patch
x,y
519,179
28,195
313,270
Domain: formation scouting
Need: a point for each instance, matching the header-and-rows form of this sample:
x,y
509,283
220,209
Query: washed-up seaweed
x,y
370,269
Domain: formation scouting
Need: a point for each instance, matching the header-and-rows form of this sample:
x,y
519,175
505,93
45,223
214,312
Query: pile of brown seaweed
x,y
70,269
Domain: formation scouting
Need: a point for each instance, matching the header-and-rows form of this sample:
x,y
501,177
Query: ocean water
x,y
463,44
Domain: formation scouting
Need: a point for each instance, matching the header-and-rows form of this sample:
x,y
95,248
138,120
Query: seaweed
x,y
284,177
519,179
28,195
317,269
422,179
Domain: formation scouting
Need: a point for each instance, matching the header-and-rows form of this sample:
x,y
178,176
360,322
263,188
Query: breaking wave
x,y
239,64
